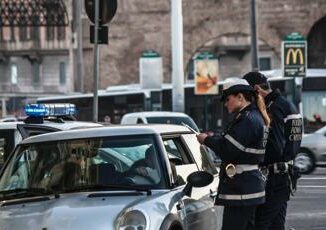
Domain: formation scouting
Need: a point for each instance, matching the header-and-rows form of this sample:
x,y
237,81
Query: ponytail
x,y
260,103
262,109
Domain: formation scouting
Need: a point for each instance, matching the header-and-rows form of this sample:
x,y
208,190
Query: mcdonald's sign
x,y
294,58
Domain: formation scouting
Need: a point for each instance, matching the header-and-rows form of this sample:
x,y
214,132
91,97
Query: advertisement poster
x,y
151,70
206,76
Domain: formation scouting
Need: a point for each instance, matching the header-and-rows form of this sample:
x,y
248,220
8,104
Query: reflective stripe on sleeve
x,y
242,197
242,148
292,116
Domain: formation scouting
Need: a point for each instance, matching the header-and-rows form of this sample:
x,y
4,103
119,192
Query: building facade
x,y
218,26
35,54
41,61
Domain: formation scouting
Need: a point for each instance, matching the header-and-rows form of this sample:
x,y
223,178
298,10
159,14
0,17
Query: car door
x,y
198,211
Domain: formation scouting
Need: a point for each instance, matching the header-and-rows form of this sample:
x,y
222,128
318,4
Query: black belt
x,y
278,167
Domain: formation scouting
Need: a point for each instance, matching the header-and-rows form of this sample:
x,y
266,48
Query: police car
x,y
41,118
145,177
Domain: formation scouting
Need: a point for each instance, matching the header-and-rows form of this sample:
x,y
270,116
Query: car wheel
x,y
175,227
305,161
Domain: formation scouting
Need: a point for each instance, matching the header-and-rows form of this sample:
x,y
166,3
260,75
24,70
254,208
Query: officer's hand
x,y
201,137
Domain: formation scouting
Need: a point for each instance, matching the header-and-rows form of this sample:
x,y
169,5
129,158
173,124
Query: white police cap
x,y
235,85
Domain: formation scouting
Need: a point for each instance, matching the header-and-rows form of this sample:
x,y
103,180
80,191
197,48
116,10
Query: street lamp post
x,y
177,56
254,49
96,61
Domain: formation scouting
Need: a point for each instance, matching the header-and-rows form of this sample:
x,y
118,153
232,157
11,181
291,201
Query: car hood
x,y
71,211
312,139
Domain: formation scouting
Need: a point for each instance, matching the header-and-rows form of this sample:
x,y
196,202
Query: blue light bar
x,y
47,110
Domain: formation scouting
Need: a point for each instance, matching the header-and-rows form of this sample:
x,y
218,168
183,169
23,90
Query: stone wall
x,y
142,24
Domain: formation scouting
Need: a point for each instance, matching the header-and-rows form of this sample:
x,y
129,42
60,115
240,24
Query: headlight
x,y
132,220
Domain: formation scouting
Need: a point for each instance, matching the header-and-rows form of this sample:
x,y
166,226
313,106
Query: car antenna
x,y
191,129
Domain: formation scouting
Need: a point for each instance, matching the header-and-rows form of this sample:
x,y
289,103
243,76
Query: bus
x,y
206,110
119,100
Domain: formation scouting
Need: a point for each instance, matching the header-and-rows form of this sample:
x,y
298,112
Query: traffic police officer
x,y
283,144
241,148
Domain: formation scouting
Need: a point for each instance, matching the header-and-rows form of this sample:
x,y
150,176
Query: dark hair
x,y
259,101
249,96
257,78
265,86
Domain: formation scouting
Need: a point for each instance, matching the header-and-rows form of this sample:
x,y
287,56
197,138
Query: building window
x,y
35,33
23,33
265,63
12,34
61,33
50,33
1,34
191,75
62,72
14,73
36,73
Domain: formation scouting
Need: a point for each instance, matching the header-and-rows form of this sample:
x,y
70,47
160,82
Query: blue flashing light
x,y
46,110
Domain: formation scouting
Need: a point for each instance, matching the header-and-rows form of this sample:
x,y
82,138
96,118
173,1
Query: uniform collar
x,y
246,109
272,96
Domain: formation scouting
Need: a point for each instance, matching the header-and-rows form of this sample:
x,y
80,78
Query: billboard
x,y
206,74
151,70
294,57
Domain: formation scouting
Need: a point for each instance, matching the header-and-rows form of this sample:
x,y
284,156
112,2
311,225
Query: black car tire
x,y
305,161
176,228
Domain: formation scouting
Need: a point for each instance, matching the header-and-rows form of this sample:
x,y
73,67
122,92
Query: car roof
x,y
9,125
66,125
157,114
118,130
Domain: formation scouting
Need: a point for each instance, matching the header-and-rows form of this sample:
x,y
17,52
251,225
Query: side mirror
x,y
197,179
200,179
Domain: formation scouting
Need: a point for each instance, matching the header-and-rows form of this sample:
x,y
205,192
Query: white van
x,y
158,117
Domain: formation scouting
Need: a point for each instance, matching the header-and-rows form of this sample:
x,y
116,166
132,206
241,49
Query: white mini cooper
x,y
120,177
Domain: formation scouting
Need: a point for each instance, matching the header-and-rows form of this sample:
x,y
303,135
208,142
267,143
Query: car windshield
x,y
173,120
70,165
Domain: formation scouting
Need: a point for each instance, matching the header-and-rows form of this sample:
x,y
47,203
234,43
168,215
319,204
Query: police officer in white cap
x,y
241,147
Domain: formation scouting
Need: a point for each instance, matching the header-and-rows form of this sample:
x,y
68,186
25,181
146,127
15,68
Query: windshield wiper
x,y
25,192
107,187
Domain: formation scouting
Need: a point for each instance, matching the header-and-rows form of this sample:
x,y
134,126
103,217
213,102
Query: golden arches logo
x,y
294,53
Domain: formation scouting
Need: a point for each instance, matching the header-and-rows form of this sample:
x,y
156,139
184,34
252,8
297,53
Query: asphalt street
x,y
307,209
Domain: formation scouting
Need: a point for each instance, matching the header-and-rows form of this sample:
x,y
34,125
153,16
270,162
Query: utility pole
x,y
177,56
79,37
254,49
96,61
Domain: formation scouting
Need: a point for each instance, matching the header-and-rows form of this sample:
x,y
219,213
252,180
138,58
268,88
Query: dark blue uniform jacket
x,y
283,142
242,143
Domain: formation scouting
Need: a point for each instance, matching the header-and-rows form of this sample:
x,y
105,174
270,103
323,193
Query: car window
x,y
2,150
69,164
176,152
200,153
181,161
7,144
20,171
140,121
172,120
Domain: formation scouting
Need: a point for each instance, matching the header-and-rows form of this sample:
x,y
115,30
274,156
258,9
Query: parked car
x,y
158,117
312,153
118,177
9,119
38,122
